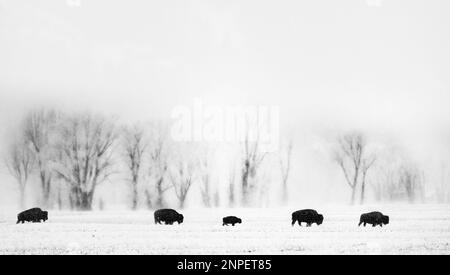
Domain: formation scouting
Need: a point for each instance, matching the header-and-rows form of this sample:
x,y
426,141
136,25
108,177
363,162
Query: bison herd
x,y
170,216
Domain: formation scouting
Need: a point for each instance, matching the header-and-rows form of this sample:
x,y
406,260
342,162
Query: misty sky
x,y
385,62
372,64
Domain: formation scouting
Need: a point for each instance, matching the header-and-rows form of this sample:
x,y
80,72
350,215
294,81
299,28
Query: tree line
x,y
70,155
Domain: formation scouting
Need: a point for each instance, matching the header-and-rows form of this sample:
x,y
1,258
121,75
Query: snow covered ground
x,y
418,229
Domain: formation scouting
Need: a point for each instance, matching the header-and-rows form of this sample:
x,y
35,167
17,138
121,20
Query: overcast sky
x,y
386,62
382,65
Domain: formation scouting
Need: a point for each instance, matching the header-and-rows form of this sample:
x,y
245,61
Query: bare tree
x,y
384,184
86,156
205,189
158,168
251,162
182,180
231,183
59,198
366,164
285,167
20,163
442,186
134,146
411,181
39,126
393,172
205,179
351,156
216,198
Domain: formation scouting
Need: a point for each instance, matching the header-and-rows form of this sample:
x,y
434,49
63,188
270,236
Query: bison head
x,y
239,220
45,215
319,219
385,220
180,218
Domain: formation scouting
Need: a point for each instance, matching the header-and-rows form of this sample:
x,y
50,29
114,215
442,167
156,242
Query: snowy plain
x,y
414,229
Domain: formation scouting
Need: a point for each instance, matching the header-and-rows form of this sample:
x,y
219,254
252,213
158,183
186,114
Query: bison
x,y
307,216
374,218
231,220
168,216
32,215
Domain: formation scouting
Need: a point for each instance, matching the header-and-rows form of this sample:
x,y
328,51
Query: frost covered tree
x,y
158,167
352,157
442,187
231,187
39,133
285,168
366,165
182,178
134,145
411,179
385,176
205,180
85,146
252,159
20,164
397,176
208,194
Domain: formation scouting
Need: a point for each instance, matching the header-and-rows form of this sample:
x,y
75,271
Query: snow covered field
x,y
418,229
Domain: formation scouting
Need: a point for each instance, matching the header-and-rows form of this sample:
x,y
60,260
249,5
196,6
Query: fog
x,y
381,67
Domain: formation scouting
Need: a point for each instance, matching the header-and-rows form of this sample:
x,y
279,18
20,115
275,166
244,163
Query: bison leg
x,y
308,224
232,224
364,224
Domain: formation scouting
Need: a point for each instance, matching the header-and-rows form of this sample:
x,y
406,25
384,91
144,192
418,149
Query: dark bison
x,y
307,216
231,220
32,215
168,216
374,218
